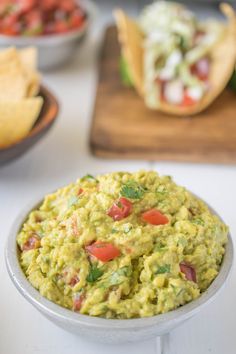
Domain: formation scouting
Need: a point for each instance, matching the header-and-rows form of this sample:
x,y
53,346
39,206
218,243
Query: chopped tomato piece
x,y
188,271
67,5
77,302
32,243
76,19
201,69
61,26
10,20
103,251
26,5
187,100
9,31
80,191
155,217
121,209
48,5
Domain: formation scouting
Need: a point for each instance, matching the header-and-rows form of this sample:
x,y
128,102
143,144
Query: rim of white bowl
x,y
58,312
54,39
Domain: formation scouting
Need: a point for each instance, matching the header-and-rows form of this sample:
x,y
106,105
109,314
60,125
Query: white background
x,y
60,158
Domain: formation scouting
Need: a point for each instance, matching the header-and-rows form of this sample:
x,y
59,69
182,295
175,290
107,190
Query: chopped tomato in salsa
x,y
187,100
201,69
32,17
103,251
188,271
155,217
120,209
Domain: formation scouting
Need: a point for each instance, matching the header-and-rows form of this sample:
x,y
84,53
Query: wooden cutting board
x,y
123,127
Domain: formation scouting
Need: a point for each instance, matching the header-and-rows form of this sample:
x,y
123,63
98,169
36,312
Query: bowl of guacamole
x,y
120,251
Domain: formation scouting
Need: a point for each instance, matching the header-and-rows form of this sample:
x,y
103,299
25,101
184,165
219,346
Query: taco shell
x,y
223,59
131,39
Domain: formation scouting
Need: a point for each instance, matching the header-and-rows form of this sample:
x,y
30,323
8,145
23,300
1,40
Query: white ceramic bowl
x,y
108,330
55,49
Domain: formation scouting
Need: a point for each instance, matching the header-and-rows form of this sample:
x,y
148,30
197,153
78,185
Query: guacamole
x,y
122,245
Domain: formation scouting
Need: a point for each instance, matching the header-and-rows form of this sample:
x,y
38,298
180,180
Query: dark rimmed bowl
x,y
44,122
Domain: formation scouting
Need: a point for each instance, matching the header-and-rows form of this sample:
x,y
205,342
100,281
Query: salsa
x,y
122,245
36,18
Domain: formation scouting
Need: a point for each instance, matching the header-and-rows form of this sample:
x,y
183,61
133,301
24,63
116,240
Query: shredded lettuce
x,y
232,81
125,72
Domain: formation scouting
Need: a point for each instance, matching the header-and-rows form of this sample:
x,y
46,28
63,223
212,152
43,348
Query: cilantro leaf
x,y
163,269
132,190
89,178
94,274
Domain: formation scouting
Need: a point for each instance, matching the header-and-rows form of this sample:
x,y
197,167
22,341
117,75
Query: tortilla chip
x,y
17,119
12,66
20,68
223,58
7,55
33,84
131,39
12,87
28,57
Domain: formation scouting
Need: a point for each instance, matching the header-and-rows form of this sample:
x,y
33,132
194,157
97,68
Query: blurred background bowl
x,y
54,49
44,122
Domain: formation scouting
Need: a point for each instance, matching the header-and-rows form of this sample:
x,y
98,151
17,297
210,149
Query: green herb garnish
x,y
198,222
160,248
89,178
94,274
232,81
163,269
132,190
114,231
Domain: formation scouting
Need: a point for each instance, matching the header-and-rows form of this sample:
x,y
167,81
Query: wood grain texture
x,y
123,127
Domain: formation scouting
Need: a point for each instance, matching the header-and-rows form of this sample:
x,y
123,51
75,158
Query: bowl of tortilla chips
x,y
27,109
177,64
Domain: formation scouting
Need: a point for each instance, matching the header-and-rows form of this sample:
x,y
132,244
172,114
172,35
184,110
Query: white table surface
x,y
61,157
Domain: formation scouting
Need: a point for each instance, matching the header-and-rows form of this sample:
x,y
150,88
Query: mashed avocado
x,y
122,245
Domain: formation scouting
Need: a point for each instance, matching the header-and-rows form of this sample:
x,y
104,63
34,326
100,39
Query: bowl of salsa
x,y
53,26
